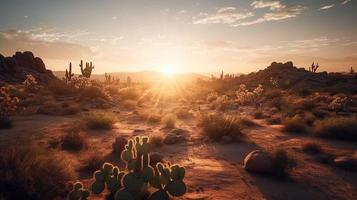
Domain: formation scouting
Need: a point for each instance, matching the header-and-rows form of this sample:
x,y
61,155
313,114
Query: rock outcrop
x,y
14,69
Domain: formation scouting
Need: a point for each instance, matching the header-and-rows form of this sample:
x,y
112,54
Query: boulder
x,y
346,162
171,138
258,162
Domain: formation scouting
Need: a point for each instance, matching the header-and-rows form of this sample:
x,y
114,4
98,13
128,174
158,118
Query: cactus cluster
x,y
30,83
134,182
87,71
108,78
77,192
69,75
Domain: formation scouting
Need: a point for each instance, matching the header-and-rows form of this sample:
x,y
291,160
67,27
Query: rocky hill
x,y
15,68
287,76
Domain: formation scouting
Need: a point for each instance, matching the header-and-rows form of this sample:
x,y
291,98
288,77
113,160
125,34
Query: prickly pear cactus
x,y
133,182
78,192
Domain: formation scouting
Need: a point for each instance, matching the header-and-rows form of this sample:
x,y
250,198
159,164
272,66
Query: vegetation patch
x,y
99,120
344,128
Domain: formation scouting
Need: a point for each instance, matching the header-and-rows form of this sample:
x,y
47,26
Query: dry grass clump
x,y
281,162
60,88
74,141
295,124
156,141
216,126
169,121
99,120
129,93
28,172
344,128
93,92
92,163
259,114
112,90
311,147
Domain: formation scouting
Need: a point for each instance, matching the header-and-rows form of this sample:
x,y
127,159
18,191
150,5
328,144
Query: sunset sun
x,y
168,70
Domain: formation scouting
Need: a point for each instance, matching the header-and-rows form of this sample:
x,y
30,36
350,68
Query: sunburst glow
x,y
168,70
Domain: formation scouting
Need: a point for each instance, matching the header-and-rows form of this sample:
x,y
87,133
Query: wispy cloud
x,y
327,7
225,15
345,2
272,5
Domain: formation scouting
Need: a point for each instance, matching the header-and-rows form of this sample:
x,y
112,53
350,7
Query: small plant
x,y
8,106
294,125
134,181
99,120
30,83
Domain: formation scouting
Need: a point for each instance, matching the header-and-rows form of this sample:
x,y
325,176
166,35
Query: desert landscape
x,y
180,100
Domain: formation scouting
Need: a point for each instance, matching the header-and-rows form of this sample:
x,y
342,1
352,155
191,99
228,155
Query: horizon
x,y
183,37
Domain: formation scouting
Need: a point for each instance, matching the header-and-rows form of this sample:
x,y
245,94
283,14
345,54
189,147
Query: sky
x,y
237,36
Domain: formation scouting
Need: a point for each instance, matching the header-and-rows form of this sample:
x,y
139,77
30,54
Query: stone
x,y
346,162
171,139
258,162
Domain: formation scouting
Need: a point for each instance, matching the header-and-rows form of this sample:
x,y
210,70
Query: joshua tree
x,y
87,71
69,74
314,67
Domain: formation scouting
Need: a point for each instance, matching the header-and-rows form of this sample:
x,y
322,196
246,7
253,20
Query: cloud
x,y
225,15
327,7
272,5
41,44
281,14
345,2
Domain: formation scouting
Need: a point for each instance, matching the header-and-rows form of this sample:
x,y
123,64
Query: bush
x,y
99,120
129,93
295,125
169,121
73,141
259,114
215,126
93,92
8,106
311,147
28,172
281,162
344,128
60,88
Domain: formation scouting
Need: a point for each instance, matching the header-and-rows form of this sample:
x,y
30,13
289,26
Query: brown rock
x,y
258,161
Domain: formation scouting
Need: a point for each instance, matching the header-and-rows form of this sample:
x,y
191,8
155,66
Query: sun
x,y
168,70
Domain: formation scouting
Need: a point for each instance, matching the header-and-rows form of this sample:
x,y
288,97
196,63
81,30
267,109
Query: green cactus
x,y
78,192
138,177
87,71
69,75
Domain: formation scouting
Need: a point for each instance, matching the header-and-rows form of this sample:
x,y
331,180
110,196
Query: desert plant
x,y
30,172
340,104
294,125
244,96
8,106
77,192
73,141
212,96
30,83
99,120
69,75
129,93
80,82
281,162
93,92
134,181
337,127
215,126
59,87
87,71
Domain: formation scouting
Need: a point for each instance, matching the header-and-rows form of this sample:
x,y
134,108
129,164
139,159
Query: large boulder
x,y
175,136
258,162
14,69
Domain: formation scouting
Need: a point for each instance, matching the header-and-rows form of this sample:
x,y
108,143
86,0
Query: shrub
x,y
156,141
28,172
99,120
344,128
259,114
129,93
59,87
212,97
30,83
8,106
295,124
93,92
169,121
73,141
112,90
272,93
311,147
135,181
215,126
281,162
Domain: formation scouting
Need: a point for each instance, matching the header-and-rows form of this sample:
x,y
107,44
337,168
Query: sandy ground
x,y
213,170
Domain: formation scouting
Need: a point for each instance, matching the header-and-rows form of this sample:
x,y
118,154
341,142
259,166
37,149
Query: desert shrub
x,y
93,92
272,93
337,128
129,104
277,102
311,147
154,118
215,126
258,114
29,172
112,90
294,125
30,83
245,97
73,141
60,88
281,162
135,181
156,141
8,106
129,93
81,82
274,120
169,121
305,104
99,120
92,163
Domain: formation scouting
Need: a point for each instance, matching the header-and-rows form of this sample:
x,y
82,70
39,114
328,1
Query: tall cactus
x,y
69,75
87,71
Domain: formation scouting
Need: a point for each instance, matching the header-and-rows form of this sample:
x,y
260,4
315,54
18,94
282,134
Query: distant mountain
x,y
142,76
